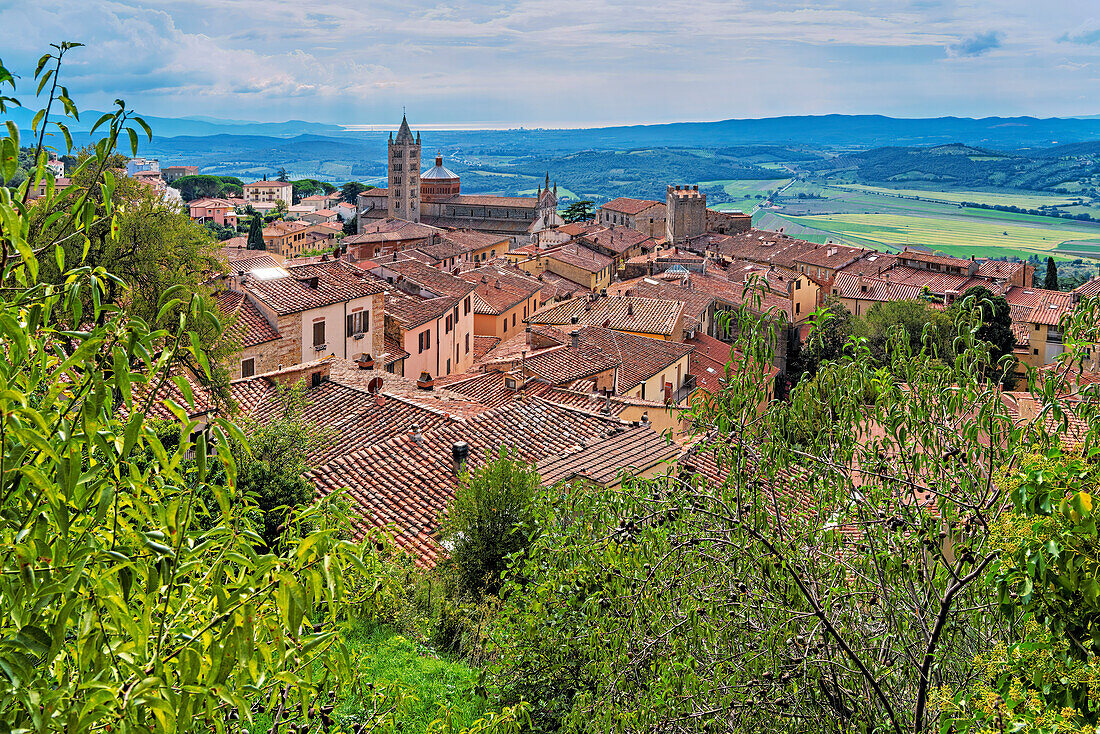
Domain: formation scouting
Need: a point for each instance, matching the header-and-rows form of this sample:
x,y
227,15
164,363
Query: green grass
x,y
961,236
1025,201
435,684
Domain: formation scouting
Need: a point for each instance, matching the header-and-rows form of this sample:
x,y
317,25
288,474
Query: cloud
x,y
976,45
565,61
1086,37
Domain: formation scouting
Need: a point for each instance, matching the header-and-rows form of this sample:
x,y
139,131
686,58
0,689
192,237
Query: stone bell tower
x,y
404,174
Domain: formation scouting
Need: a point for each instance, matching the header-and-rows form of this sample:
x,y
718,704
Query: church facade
x,y
434,197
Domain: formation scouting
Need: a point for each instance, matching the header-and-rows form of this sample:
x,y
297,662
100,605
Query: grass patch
x,y
437,687
958,235
1025,201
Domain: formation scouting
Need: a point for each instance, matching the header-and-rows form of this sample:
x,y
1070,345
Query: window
x,y
1036,351
358,322
448,365
424,340
318,334
466,306
513,319
505,324
248,367
467,342
450,324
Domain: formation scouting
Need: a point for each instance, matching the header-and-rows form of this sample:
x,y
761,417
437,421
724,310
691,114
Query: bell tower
x,y
404,174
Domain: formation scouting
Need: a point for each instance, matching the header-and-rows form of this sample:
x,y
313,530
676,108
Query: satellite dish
x,y
374,385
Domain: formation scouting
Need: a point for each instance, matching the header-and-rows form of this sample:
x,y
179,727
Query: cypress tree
x,y
256,233
1051,283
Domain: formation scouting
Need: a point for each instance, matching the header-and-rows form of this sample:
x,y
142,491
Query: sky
x,y
552,63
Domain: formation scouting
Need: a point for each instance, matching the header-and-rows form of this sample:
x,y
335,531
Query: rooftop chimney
x,y
416,434
459,451
575,338
630,308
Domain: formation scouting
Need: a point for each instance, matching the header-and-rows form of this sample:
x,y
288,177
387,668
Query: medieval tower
x,y
685,215
404,174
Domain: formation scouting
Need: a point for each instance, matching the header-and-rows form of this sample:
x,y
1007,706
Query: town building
x,y
171,173
135,166
685,214
298,313
464,247
268,192
218,211
577,263
433,197
429,314
643,215
380,237
288,238
503,299
651,317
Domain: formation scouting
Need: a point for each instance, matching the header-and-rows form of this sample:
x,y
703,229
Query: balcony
x,y
681,395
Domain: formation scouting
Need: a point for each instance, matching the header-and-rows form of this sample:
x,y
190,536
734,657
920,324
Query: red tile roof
x,y
483,344
863,288
428,277
277,184
622,313
833,257
580,257
514,202
625,452
407,483
390,230
498,289
616,238
1088,290
249,327
337,282
696,303
630,206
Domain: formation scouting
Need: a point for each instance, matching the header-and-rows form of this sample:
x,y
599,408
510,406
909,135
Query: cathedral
x,y
434,197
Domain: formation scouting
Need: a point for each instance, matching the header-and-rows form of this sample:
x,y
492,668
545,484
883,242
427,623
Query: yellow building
x,y
580,265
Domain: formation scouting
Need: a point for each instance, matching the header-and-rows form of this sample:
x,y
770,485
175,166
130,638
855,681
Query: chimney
x,y
645,418
498,284
862,287
630,308
575,338
459,451
528,332
416,434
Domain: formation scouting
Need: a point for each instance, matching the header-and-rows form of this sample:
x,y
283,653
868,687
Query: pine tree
x,y
1051,283
256,233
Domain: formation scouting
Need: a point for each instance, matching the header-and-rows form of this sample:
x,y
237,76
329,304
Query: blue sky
x,y
568,62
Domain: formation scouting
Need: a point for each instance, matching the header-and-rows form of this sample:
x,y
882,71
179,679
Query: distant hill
x,y
962,166
173,126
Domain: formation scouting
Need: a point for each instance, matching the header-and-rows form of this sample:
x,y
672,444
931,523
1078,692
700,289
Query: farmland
x,y
1022,200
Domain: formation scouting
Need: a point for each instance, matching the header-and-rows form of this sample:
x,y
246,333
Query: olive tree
x,y
128,605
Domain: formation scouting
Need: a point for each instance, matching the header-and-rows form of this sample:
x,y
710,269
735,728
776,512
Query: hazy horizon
x,y
575,63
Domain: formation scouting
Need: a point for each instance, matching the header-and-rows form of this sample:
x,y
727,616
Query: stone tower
x,y
686,214
404,174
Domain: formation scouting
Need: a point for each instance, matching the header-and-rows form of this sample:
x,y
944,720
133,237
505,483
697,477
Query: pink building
x,y
219,211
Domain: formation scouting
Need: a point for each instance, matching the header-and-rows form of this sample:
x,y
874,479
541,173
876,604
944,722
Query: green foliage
x,y
128,607
256,233
1046,677
310,186
486,523
830,330
1051,281
202,185
283,176
578,211
917,322
221,232
351,190
992,317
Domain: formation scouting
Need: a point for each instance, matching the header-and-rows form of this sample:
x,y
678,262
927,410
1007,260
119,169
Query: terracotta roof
x,y
379,191
394,351
734,293
278,184
250,327
437,281
390,230
1000,269
829,256
457,243
622,313
208,203
407,482
324,213
626,451
411,312
713,361
928,257
498,289
258,259
847,285
521,202
760,245
615,238
696,303
1088,290
483,344
556,286
282,227
580,257
337,282
511,226
1050,308
872,263
630,206
202,403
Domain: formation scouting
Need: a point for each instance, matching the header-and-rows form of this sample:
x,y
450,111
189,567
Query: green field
x,y
960,236
743,188
1024,201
